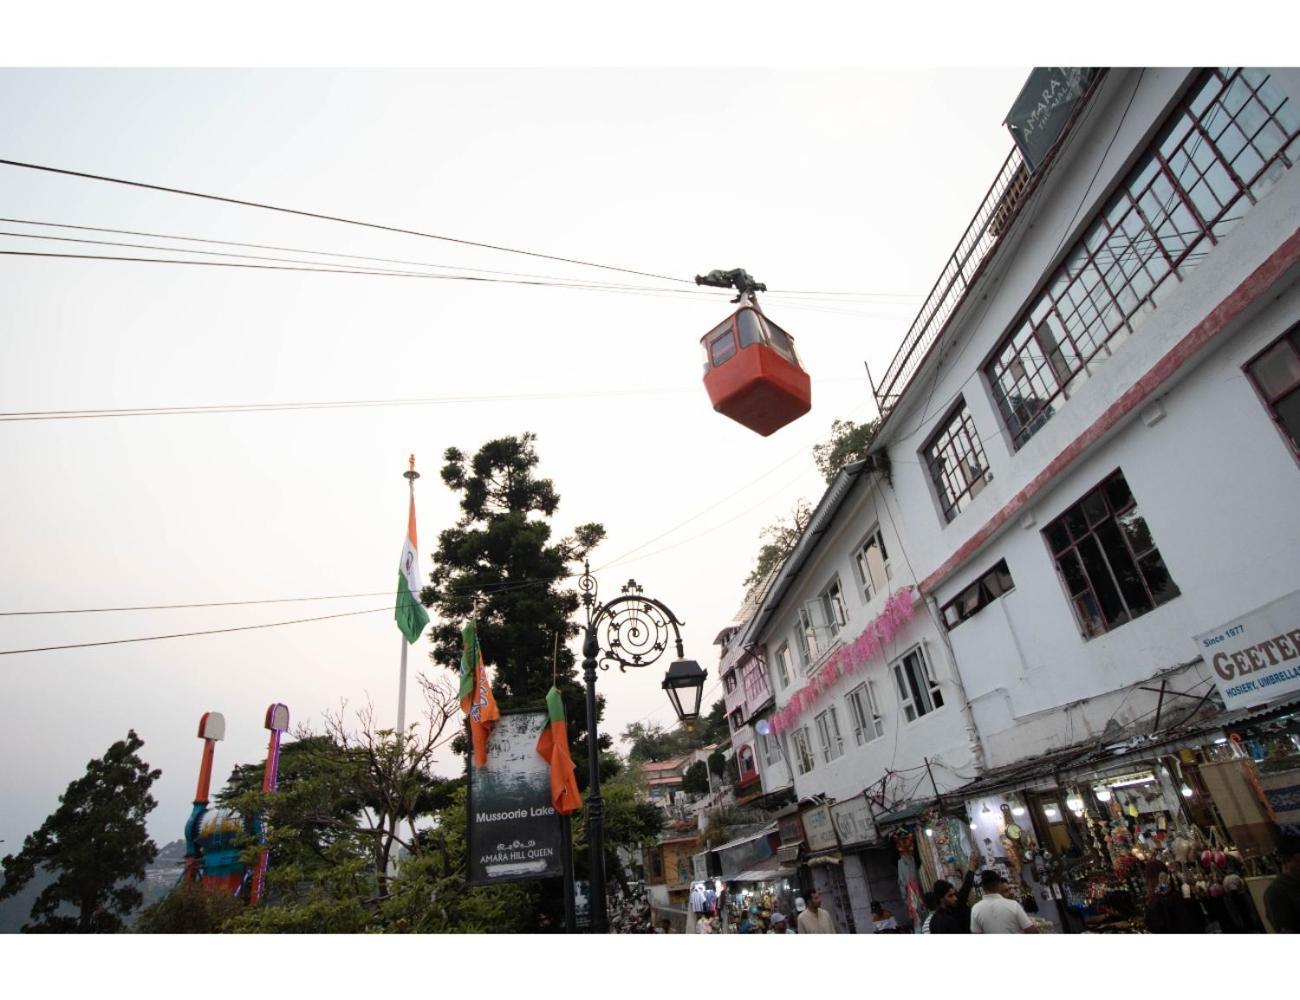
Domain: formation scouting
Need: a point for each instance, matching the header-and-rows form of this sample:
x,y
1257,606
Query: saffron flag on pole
x,y
410,614
476,699
553,745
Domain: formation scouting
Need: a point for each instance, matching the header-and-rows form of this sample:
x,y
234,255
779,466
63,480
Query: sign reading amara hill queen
x,y
514,830
1256,658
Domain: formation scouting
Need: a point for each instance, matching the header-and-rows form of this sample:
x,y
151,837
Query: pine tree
x,y
500,553
95,844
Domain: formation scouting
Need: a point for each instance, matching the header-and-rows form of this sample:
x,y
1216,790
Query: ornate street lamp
x,y
631,630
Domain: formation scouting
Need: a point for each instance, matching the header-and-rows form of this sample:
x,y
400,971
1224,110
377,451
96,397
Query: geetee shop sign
x,y
1256,658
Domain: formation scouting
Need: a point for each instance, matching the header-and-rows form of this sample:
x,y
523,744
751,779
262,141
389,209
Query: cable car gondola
x,y
751,370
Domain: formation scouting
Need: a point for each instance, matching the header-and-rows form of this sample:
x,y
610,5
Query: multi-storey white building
x,y
1088,456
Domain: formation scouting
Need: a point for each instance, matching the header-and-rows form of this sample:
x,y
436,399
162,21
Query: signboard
x,y
679,864
701,862
582,904
1040,112
853,821
1256,658
514,831
791,829
819,829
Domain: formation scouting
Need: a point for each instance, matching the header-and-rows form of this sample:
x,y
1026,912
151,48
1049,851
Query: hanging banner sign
x,y
514,831
1256,658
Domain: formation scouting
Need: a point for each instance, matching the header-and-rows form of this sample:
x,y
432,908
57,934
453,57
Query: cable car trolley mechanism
x,y
751,370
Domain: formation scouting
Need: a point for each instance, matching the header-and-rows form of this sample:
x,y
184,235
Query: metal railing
x,y
983,233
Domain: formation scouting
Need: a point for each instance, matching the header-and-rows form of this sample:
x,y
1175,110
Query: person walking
x,y
814,919
931,905
779,925
1282,897
995,914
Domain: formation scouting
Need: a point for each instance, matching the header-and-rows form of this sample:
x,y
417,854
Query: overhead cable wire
x,y
330,218
186,635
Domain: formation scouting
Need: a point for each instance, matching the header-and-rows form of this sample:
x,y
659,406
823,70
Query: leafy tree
x,y
696,779
190,908
848,443
717,763
782,535
96,845
715,723
652,742
500,554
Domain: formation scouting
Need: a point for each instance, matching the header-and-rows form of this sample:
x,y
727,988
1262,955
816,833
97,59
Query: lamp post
x,y
630,630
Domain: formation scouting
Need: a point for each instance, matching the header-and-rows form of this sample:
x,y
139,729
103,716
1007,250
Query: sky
x,y
830,181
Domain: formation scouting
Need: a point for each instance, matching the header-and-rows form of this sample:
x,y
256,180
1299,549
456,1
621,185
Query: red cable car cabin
x,y
752,372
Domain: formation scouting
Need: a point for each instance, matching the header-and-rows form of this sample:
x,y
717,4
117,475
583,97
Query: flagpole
x,y
410,475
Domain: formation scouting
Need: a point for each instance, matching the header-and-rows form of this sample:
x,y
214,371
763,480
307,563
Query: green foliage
x,y
95,844
652,742
848,443
501,550
717,763
715,724
696,779
782,535
189,909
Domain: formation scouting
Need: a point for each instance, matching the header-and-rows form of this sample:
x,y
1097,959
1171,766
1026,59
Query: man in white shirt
x,y
813,919
995,914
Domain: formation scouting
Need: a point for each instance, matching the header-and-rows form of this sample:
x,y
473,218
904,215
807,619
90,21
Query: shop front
x,y
857,836
825,863
757,882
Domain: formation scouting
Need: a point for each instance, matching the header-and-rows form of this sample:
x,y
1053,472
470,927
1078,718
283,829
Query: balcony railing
x,y
983,233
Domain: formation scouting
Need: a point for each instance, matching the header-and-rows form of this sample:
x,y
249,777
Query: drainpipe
x,y
974,744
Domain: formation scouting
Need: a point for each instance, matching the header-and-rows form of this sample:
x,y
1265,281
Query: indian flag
x,y
410,614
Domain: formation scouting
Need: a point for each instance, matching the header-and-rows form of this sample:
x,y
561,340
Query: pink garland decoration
x,y
850,658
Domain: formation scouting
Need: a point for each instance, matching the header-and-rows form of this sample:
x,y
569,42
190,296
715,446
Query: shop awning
x,y
762,875
903,815
746,838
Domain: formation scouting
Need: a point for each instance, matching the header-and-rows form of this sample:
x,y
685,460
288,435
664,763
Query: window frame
x,y
810,650
1167,212
955,440
971,600
1123,530
827,721
801,739
1290,338
772,752
834,607
862,700
928,694
861,565
784,661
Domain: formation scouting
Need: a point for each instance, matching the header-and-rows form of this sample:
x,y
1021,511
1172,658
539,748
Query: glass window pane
x,y
1058,537
1288,415
1124,569
1136,531
1157,577
750,331
1103,584
722,347
1118,495
1072,571
1277,370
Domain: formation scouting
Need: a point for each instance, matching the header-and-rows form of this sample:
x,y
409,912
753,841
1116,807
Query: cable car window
x,y
781,342
722,345
747,325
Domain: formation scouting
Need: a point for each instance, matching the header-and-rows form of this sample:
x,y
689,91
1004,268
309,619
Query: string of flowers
x,y
849,658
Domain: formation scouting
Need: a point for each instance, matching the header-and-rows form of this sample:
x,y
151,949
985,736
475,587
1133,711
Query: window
x,y
771,749
722,344
864,708
979,595
803,758
1276,376
747,325
736,719
784,666
872,561
729,682
828,733
918,691
809,650
1228,142
956,461
1108,560
833,611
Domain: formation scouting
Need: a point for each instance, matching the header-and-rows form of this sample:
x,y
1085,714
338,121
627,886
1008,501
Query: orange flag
x,y
553,745
476,698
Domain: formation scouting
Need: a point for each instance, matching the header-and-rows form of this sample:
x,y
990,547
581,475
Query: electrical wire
x,y
330,218
185,635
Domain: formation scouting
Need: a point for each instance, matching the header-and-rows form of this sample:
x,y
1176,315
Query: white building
x,y
1088,456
